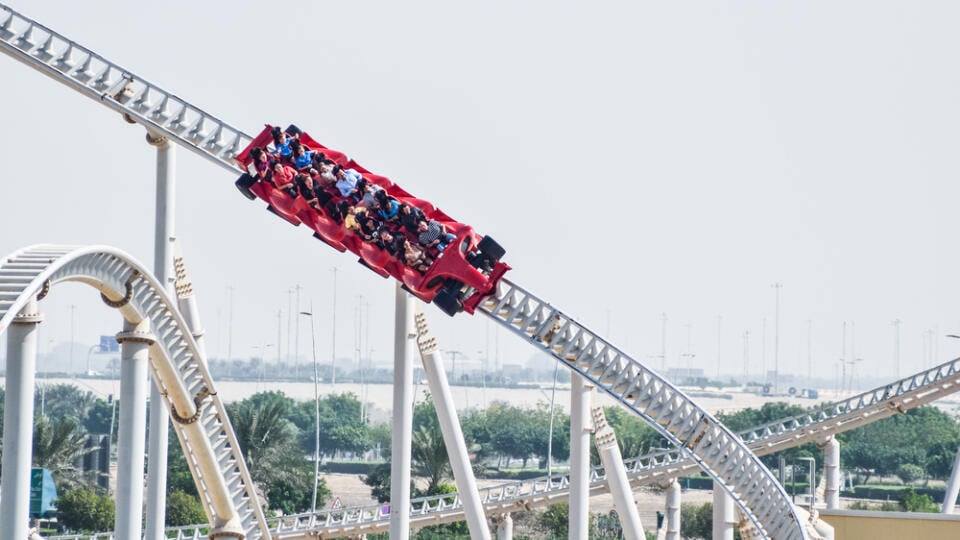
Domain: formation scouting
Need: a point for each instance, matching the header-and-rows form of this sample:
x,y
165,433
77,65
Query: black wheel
x,y
293,131
448,301
243,184
489,247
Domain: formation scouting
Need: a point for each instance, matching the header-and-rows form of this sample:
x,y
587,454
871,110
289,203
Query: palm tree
x,y
269,443
429,454
58,444
65,400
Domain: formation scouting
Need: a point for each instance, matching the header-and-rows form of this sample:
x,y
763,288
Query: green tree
x,y
556,520
429,455
379,482
97,419
908,472
58,444
341,429
179,477
513,432
184,509
268,442
84,510
65,400
916,437
696,521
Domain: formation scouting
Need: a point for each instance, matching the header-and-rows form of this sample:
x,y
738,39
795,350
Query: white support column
x,y
953,487
831,473
673,510
163,270
580,429
18,422
724,521
402,421
452,433
135,341
505,527
187,301
612,460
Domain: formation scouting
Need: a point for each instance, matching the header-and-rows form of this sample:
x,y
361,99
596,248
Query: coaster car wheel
x,y
448,301
490,248
243,184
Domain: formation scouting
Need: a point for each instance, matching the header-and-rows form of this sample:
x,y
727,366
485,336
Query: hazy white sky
x,y
634,158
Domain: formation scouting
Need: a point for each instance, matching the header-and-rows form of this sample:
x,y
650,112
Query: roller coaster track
x,y
701,438
201,422
816,425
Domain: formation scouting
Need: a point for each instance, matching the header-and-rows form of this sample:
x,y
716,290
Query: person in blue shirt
x,y
302,158
387,207
347,180
281,143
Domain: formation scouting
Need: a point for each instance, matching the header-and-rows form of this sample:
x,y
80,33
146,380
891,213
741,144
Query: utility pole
x,y
73,309
333,341
776,338
763,350
746,356
719,328
279,341
896,348
296,333
663,341
230,325
290,327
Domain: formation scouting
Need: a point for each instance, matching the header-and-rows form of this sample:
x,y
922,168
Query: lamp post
x,y
262,350
73,310
453,365
316,400
93,348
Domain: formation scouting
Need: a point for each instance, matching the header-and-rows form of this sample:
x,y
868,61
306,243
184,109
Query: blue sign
x,y
109,344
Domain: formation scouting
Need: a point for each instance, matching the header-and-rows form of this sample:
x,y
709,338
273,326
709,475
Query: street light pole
x,y
316,401
776,338
333,340
73,308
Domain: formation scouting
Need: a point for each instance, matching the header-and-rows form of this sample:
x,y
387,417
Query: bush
x,y
184,509
82,509
918,502
556,520
696,521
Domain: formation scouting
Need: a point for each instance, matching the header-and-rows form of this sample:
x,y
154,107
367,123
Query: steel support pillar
x,y
402,421
18,422
163,270
724,520
505,527
452,432
187,302
673,510
580,428
953,487
135,341
831,473
612,461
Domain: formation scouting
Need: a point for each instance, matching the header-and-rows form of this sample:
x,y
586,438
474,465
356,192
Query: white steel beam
x,y
18,422
402,420
452,433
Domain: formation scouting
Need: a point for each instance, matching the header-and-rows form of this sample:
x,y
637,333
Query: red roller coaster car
x,y
460,276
